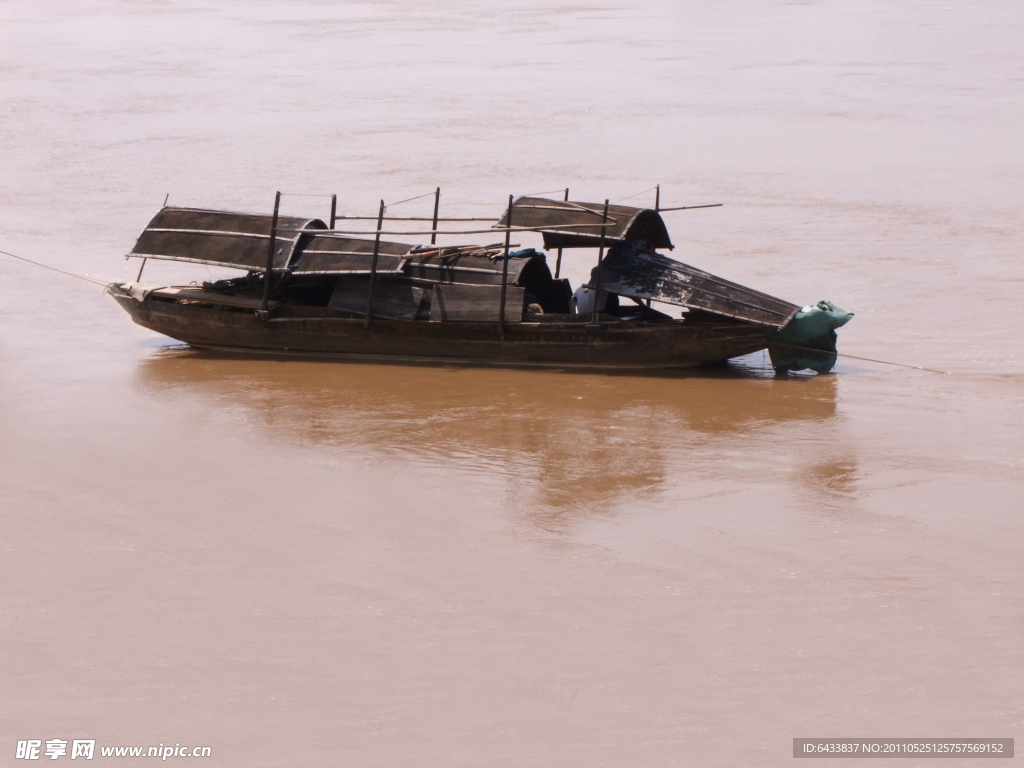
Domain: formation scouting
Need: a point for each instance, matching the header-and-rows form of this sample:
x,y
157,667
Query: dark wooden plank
x,y
197,294
476,303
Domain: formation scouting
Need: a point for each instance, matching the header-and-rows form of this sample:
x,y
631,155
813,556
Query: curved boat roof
x,y
331,254
579,225
222,238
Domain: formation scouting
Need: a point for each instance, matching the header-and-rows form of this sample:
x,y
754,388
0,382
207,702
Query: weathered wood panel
x,y
643,274
464,269
395,301
476,303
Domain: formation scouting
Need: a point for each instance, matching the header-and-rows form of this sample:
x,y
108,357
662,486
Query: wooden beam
x,y
504,269
600,258
558,261
373,266
437,202
270,256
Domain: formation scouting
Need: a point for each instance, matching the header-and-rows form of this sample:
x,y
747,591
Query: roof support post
x,y
373,265
600,258
334,210
657,209
433,228
558,261
270,255
504,269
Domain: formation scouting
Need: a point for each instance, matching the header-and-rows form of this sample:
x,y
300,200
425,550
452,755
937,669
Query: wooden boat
x,y
333,293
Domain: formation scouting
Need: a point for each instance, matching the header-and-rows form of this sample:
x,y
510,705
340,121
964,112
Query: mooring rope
x,y
54,269
545,192
636,194
408,199
857,357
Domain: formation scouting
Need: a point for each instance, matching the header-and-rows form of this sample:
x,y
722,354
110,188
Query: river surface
x,y
323,564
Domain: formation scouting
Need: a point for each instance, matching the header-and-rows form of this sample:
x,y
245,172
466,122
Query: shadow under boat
x,y
330,293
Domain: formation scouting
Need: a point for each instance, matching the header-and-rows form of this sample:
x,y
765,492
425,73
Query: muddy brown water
x,y
300,562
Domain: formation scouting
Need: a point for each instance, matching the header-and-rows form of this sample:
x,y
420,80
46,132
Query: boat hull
x,y
567,344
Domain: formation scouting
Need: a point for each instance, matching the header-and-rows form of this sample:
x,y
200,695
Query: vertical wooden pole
x,y
504,268
657,209
437,202
334,210
270,255
600,258
139,277
373,265
558,261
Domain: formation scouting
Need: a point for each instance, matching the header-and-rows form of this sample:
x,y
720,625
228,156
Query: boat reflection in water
x,y
561,444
